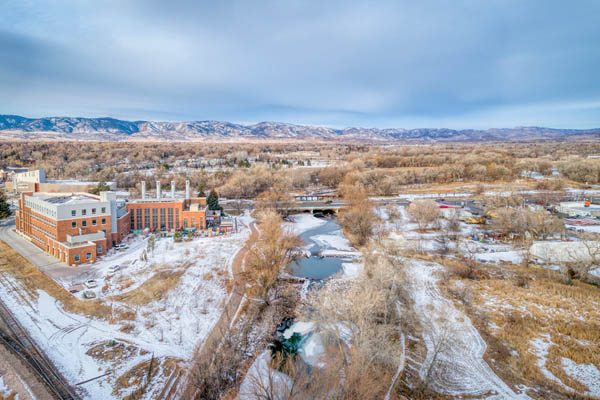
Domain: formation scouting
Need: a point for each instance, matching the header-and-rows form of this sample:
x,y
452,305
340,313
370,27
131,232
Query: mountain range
x,y
13,127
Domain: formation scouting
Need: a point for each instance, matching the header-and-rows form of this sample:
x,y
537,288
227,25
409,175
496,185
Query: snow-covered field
x,y
168,327
459,368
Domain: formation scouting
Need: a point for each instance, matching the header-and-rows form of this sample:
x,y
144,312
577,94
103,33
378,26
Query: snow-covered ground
x,y
586,374
459,368
303,223
334,240
169,327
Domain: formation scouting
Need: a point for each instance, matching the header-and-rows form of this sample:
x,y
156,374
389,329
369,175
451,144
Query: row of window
x,y
84,211
166,218
84,223
45,221
88,256
39,208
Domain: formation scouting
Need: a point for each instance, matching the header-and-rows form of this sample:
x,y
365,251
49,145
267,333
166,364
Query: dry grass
x,y
114,351
153,289
140,377
32,280
511,314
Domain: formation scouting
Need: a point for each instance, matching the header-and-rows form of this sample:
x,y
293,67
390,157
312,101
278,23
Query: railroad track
x,y
19,342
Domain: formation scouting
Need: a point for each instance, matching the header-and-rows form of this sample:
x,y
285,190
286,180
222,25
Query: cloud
x,y
336,63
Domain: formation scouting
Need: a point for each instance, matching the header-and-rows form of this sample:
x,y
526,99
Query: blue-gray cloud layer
x,y
388,64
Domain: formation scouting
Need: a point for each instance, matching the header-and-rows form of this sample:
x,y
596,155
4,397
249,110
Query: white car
x,y
113,269
90,284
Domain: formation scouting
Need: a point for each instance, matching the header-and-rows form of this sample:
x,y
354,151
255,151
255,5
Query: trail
x,y
459,368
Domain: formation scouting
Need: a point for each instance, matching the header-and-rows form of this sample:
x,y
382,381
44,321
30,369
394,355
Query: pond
x,y
315,266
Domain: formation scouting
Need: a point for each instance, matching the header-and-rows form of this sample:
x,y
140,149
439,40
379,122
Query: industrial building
x,y
73,227
78,227
167,212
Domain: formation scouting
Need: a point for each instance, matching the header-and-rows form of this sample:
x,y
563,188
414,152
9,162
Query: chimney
x,y
143,190
157,189
187,190
172,189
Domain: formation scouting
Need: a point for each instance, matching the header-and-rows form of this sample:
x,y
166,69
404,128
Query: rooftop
x,y
66,198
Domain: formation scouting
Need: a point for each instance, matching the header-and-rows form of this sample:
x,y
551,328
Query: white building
x,y
555,252
578,208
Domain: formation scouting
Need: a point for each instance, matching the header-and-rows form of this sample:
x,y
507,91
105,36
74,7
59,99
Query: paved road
x,y
49,265
31,252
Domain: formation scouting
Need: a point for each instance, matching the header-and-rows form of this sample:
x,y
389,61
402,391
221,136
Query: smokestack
x,y
172,189
187,190
143,190
158,189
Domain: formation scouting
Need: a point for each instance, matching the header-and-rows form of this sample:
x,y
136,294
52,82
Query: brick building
x,y
167,213
73,227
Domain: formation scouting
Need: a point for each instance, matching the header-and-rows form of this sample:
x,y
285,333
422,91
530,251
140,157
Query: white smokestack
x,y
187,190
172,189
158,189
143,190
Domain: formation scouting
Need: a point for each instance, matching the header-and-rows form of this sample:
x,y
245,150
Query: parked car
x,y
90,283
113,269
329,202
88,294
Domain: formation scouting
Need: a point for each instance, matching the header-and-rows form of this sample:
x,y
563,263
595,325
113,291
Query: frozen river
x,y
326,236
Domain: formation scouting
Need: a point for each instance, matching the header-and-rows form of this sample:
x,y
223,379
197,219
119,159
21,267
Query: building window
x,y
170,218
88,256
76,257
94,222
83,212
73,213
74,224
163,219
185,223
177,218
84,223
146,218
154,219
103,210
99,249
138,219
193,222
93,211
132,218
103,221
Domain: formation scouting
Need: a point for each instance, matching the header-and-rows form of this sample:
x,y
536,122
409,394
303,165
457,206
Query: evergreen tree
x,y
102,187
213,201
200,189
4,207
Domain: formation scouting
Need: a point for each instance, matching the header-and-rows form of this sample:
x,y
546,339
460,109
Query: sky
x,y
387,64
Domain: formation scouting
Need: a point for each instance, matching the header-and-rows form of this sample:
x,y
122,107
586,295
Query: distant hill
x,y
13,127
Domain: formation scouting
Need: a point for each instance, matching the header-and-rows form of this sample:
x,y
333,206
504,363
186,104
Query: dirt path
x,y
229,312
459,369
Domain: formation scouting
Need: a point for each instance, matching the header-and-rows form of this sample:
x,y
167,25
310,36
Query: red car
x,y
444,206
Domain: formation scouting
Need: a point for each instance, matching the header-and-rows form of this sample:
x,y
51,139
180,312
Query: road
x,y
49,265
31,252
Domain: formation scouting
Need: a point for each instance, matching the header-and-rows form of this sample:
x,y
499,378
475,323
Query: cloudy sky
x,y
444,63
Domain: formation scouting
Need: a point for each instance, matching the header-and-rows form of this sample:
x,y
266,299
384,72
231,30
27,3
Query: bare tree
x,y
424,213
